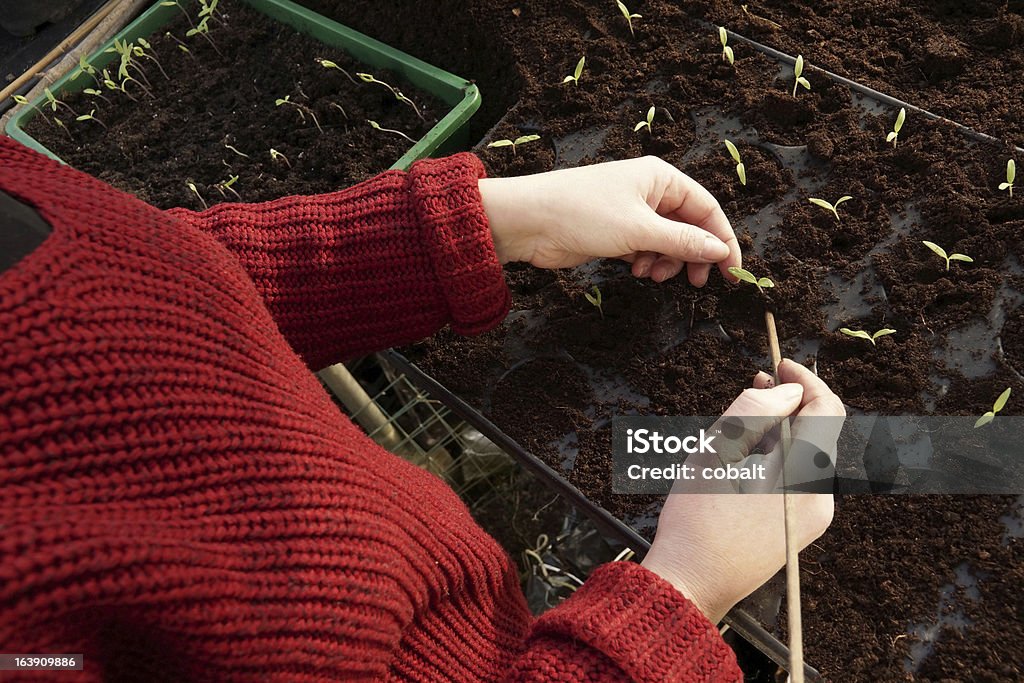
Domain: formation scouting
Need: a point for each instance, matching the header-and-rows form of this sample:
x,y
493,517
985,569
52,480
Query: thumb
x,y
679,240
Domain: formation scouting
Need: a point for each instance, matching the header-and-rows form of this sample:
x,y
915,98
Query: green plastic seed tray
x,y
450,132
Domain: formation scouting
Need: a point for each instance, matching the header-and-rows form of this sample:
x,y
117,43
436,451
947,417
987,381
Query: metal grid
x,y
555,548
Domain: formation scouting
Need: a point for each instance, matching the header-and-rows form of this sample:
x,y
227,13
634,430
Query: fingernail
x,y
658,274
714,250
645,268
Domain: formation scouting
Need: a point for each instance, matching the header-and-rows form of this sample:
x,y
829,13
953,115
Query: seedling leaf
x,y
882,333
936,248
525,138
900,118
501,143
733,152
860,334
742,274
1011,171
1001,401
961,257
729,55
984,419
741,171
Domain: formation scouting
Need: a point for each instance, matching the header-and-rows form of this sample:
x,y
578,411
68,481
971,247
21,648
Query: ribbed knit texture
x,y
179,498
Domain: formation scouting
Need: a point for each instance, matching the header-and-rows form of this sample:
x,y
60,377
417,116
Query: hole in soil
x,y
949,616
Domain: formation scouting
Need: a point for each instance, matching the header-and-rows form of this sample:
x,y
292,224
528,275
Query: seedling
x,y
192,186
741,170
948,258
831,207
595,299
895,134
798,70
521,140
61,124
225,186
996,407
181,46
140,51
629,17
723,37
278,156
96,93
377,126
746,276
577,72
236,150
646,123
301,108
53,102
1011,173
90,117
861,334
368,78
328,64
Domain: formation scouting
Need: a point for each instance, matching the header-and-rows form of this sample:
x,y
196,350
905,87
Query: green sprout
x,y
90,117
861,334
192,186
236,150
368,78
61,124
225,185
996,407
20,99
301,108
577,72
181,46
140,51
646,123
1011,173
328,64
747,276
377,126
894,135
629,17
595,299
278,156
741,170
52,102
948,258
723,37
521,140
831,207
798,70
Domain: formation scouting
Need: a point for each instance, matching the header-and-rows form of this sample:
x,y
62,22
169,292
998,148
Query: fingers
x,y
679,240
687,201
762,380
753,415
818,397
642,263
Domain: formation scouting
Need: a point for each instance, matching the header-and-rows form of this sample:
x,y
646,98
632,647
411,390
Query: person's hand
x,y
718,548
644,211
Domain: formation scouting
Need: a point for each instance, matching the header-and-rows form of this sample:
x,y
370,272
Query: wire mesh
x,y
554,546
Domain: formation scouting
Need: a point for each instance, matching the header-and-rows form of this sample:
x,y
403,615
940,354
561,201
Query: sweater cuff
x,y
446,195
643,624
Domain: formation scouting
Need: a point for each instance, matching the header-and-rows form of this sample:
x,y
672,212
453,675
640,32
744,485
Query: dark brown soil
x,y
155,147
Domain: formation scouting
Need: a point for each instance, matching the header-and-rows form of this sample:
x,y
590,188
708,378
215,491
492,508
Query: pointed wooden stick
x,y
795,625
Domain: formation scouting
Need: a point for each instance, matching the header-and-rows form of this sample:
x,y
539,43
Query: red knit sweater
x,y
182,501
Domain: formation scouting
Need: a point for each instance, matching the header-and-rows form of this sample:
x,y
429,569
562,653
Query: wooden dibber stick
x,y
795,625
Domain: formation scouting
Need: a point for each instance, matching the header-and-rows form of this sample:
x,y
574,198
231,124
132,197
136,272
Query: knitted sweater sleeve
x,y
385,262
625,623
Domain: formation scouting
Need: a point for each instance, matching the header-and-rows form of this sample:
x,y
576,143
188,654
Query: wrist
x,y
691,589
504,202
